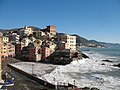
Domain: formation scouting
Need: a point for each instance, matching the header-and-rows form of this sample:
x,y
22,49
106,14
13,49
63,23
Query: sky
x,y
92,19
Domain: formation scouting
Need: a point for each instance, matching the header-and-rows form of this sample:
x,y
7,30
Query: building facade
x,y
4,39
14,37
4,50
69,42
50,29
26,31
45,53
11,50
34,54
39,34
18,48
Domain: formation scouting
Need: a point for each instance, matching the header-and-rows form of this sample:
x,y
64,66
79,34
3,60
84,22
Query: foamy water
x,y
92,72
88,73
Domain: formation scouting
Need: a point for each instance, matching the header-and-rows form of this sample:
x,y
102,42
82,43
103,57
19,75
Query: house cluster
x,y
6,48
38,45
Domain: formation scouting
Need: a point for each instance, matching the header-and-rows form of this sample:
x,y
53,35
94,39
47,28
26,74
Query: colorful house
x,y
18,48
45,53
34,52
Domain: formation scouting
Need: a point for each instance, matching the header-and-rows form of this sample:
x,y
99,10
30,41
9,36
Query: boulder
x,y
102,64
94,88
84,56
86,88
117,65
107,60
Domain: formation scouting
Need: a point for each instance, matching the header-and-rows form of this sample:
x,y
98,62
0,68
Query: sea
x,y
107,77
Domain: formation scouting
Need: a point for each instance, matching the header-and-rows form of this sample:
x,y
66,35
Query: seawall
x,y
40,81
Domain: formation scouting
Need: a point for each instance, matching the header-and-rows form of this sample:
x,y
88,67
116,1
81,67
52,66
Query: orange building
x,y
52,30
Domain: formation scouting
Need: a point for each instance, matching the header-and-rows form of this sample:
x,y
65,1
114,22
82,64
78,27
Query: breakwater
x,y
42,82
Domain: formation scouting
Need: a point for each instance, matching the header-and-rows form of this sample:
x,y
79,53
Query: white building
x,y
26,31
14,37
70,41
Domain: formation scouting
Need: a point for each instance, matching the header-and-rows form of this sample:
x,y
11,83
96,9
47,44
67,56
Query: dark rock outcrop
x,y
94,88
102,64
117,65
88,88
84,56
107,60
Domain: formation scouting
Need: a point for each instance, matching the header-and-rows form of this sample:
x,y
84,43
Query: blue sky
x,y
92,19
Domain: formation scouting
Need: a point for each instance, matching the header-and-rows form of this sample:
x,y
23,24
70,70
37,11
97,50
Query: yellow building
x,y
4,49
4,39
70,41
3,46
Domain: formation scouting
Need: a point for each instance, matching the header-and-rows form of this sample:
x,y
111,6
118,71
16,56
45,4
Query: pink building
x,y
34,54
11,50
45,53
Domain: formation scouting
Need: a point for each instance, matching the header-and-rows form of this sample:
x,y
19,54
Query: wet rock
x,y
117,65
107,60
86,88
84,56
102,64
94,88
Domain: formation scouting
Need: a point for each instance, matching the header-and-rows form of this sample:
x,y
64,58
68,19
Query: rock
x,y
117,65
86,88
94,88
107,60
102,64
84,56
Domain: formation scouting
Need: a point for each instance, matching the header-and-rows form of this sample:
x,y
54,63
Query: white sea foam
x,y
85,72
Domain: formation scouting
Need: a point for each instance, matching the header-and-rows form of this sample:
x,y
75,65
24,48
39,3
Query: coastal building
x,y
4,50
39,34
50,29
26,41
34,53
38,42
62,56
14,38
26,31
32,39
11,50
61,45
4,39
7,49
18,48
52,47
68,42
42,35
45,53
